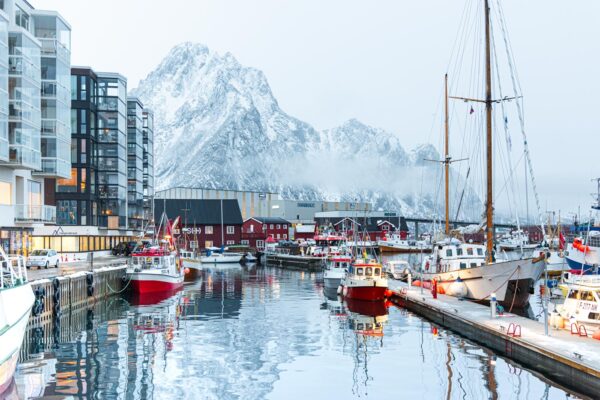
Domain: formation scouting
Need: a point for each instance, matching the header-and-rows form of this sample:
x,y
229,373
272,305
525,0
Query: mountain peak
x,y
217,124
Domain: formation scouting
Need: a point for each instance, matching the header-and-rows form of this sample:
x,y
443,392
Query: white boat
x,y
583,254
190,260
555,262
512,281
582,302
397,269
16,301
218,256
515,241
250,258
395,243
335,271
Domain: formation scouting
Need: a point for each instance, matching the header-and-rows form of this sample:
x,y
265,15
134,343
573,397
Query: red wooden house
x,y
304,232
256,230
200,222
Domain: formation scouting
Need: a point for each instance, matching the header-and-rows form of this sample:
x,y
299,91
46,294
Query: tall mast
x,y
488,112
446,155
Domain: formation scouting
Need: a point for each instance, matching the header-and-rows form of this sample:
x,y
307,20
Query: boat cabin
x,y
339,263
153,258
367,326
456,256
583,303
365,269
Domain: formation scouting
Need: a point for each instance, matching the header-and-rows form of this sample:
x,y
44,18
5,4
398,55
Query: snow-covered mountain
x,y
218,125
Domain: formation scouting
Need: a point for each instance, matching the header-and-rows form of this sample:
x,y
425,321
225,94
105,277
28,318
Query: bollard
x,y
493,305
434,289
409,280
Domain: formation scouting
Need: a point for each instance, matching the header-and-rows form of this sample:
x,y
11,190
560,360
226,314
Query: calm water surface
x,y
266,333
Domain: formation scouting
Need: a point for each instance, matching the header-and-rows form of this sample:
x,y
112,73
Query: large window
x,y
35,193
66,212
230,230
208,230
68,185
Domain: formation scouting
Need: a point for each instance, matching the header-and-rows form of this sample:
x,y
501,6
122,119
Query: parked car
x,y
43,258
124,248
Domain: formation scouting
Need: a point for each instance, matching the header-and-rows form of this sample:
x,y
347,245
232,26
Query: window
x,y
459,251
479,251
208,244
469,251
260,244
448,252
278,226
369,271
208,230
463,265
359,271
385,228
245,242
473,265
230,242
230,230
5,193
284,236
69,184
574,294
377,272
271,226
278,236
285,225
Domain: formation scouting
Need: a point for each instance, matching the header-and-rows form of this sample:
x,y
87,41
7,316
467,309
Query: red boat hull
x,y
369,293
143,286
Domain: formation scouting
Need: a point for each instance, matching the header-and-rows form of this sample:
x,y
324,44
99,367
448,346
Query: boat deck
x,y
562,356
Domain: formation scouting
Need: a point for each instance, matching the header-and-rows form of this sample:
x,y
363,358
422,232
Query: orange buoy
x,y
388,293
417,283
542,289
440,290
596,335
387,304
187,270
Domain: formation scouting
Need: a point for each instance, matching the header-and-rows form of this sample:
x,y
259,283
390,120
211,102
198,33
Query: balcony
x,y
28,213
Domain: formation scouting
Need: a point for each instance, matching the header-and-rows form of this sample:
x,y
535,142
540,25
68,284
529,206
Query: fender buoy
x,y
186,271
596,335
388,293
416,283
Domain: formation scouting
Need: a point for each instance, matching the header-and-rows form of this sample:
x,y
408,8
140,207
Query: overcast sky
x,y
379,61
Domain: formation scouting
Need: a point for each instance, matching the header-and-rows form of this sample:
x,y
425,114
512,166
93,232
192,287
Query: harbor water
x,y
267,333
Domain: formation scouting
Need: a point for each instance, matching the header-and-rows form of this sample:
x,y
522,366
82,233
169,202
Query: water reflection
x,y
255,333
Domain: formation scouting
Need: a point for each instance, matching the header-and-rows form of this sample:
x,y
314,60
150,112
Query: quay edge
x,y
579,375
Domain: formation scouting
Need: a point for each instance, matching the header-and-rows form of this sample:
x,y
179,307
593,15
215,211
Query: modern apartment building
x,y
34,110
148,163
135,155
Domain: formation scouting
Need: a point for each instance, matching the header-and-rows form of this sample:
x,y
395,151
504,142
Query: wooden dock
x,y
570,360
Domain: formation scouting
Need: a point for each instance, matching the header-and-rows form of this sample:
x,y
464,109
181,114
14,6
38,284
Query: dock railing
x,y
12,270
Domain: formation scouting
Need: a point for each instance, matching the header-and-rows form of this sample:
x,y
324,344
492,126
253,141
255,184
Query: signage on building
x,y
192,231
262,195
306,205
61,232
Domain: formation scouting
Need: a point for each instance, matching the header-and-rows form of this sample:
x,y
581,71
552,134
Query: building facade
x,y
203,223
135,177
112,150
34,113
256,230
148,163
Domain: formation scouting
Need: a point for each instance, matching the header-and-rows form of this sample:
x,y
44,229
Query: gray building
x,y
112,149
304,211
135,155
148,163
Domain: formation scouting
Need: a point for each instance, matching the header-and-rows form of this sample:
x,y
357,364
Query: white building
x,y
35,141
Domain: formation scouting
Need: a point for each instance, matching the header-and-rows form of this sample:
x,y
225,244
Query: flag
x,y
561,241
471,111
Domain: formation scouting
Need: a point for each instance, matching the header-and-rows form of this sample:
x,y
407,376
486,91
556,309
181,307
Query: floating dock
x,y
566,358
297,262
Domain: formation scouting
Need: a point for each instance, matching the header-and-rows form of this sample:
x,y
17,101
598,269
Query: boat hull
x,y
152,283
579,266
365,293
405,250
512,281
221,260
15,308
332,282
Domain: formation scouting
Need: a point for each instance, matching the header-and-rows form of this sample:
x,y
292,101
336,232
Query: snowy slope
x,y
218,125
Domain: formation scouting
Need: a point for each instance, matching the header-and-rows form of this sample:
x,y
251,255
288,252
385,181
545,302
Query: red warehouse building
x,y
200,222
257,229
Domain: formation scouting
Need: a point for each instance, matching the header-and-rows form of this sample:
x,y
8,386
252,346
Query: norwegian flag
x,y
561,241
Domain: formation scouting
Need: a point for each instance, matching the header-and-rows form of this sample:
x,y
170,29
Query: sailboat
x,y
469,270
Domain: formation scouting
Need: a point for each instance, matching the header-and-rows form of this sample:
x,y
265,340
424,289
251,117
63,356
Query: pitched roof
x,y
271,220
201,212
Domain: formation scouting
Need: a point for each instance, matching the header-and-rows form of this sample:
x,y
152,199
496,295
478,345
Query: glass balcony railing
x,y
29,213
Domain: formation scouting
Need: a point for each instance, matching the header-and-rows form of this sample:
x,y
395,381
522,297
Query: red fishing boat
x,y
155,270
364,280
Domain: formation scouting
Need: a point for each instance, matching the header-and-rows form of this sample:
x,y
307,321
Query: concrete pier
x,y
570,360
63,301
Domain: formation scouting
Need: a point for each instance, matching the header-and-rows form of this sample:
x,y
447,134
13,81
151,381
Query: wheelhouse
x,y
368,269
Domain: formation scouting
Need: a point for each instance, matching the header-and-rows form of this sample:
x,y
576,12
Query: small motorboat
x,y
219,256
582,302
397,269
249,258
364,280
335,271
